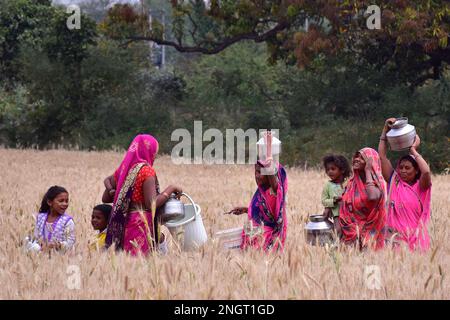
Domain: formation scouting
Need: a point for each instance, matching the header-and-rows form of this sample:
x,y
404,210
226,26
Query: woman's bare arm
x,y
386,165
373,192
160,199
110,188
425,177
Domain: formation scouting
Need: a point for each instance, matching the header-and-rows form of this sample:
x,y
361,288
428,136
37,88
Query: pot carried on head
x,y
402,135
319,231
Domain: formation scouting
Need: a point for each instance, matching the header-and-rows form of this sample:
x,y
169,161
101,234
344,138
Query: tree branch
x,y
256,37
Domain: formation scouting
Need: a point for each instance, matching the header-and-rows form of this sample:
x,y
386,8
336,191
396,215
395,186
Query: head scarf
x,y
143,149
360,218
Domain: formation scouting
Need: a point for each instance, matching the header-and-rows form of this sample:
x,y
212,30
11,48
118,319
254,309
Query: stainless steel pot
x,y
319,231
173,209
402,135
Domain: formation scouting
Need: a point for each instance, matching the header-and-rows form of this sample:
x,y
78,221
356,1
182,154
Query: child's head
x,y
336,167
56,200
100,216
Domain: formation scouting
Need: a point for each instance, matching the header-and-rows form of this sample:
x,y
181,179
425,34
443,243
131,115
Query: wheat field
x,y
301,272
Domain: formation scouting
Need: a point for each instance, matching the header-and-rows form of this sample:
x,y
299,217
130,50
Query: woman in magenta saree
x,y
409,196
266,212
134,190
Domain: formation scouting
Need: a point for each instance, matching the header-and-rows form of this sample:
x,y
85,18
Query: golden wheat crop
x,y
301,272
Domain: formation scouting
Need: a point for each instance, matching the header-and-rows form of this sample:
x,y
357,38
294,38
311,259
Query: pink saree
x,y
409,213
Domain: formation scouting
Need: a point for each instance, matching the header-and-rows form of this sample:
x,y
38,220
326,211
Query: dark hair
x,y
413,162
339,161
105,209
50,195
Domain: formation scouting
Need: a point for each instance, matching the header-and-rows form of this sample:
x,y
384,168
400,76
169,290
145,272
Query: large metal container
x,y
173,209
319,231
402,135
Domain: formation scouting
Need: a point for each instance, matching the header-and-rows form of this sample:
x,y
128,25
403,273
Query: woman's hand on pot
x,y
416,143
388,124
176,189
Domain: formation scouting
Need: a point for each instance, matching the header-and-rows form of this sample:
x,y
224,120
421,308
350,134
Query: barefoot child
x,y
99,221
55,229
338,170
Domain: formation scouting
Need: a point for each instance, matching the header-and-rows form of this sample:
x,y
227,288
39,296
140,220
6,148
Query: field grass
x,y
301,272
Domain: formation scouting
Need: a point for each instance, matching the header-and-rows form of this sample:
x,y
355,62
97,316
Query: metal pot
x,y
319,231
402,135
173,209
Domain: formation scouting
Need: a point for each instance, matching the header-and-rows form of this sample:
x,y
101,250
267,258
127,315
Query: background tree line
x,y
96,87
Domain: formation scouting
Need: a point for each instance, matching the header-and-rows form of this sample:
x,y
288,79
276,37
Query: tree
x,y
413,41
23,21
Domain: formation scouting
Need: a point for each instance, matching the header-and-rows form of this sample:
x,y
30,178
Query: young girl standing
x,y
338,170
55,229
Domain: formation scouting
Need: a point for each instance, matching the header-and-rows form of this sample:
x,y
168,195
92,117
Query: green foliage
x,y
22,21
338,108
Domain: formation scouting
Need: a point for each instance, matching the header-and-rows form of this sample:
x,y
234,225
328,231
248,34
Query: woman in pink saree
x,y
362,213
134,190
409,196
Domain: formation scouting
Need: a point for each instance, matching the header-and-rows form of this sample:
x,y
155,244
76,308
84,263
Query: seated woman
x,y
267,211
134,191
409,196
362,213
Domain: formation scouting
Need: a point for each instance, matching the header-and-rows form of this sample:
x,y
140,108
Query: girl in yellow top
x,y
99,221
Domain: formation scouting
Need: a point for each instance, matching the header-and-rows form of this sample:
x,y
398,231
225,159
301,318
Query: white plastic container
x,y
230,238
269,147
262,147
194,232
